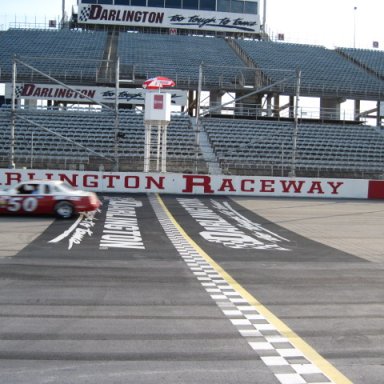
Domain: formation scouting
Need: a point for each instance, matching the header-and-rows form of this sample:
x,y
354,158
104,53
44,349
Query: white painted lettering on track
x,y
221,231
82,227
257,229
121,228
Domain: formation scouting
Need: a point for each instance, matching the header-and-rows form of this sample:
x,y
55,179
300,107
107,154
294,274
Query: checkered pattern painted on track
x,y
287,363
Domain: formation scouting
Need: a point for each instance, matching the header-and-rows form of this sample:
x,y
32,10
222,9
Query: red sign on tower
x,y
158,102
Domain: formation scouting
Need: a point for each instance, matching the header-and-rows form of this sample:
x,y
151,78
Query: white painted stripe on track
x,y
69,230
290,358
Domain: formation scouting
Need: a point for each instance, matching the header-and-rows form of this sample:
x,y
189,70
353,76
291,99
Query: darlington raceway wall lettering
x,y
175,183
264,185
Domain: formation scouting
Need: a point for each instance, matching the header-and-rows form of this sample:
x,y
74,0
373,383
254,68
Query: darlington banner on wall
x,y
33,91
168,18
176,183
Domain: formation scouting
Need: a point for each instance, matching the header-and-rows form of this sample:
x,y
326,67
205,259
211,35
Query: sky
x,y
31,11
347,23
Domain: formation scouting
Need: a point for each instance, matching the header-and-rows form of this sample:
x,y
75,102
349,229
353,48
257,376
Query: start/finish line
x,y
175,183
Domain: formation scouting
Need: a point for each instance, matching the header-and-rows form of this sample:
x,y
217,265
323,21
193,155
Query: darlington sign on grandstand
x,y
168,18
33,91
203,184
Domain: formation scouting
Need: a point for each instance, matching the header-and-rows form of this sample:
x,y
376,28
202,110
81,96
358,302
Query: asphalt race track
x,y
176,289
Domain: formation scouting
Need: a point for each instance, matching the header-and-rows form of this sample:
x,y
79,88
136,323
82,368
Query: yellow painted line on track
x,y
327,368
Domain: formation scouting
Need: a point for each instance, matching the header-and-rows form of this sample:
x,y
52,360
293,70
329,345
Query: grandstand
x,y
253,135
346,150
45,50
92,142
324,72
371,60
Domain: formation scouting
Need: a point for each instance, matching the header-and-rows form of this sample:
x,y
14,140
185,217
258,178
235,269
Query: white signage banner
x,y
168,18
32,91
188,184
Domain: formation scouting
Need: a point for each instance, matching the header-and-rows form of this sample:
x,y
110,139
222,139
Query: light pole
x,y
354,26
264,16
13,117
62,13
292,173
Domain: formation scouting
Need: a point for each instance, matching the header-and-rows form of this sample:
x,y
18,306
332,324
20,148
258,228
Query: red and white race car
x,y
47,197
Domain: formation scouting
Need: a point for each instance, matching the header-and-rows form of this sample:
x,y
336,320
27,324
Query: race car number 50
x,y
28,204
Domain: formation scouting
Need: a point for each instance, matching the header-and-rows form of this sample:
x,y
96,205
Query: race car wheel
x,y
64,210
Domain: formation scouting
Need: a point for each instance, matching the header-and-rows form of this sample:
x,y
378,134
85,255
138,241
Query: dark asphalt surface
x,y
112,301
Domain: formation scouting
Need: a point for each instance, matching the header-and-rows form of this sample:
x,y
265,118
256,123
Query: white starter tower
x,y
157,114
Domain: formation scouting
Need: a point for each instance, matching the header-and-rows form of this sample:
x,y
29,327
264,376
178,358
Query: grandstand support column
x,y
273,105
147,146
292,173
276,105
13,118
215,100
379,114
158,148
248,104
330,108
291,112
357,110
32,149
191,103
164,148
197,121
117,124
269,105
198,96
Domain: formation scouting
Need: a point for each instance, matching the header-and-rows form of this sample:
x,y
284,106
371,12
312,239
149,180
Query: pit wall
x,y
188,184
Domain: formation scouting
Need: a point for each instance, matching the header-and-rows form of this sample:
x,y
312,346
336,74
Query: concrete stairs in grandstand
x,y
107,71
206,149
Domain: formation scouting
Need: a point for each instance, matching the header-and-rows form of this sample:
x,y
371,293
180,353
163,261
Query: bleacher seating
x,y
95,131
249,145
324,71
335,148
75,56
64,54
179,58
368,58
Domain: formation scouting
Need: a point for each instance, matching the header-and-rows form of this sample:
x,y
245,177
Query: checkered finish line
x,y
287,363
